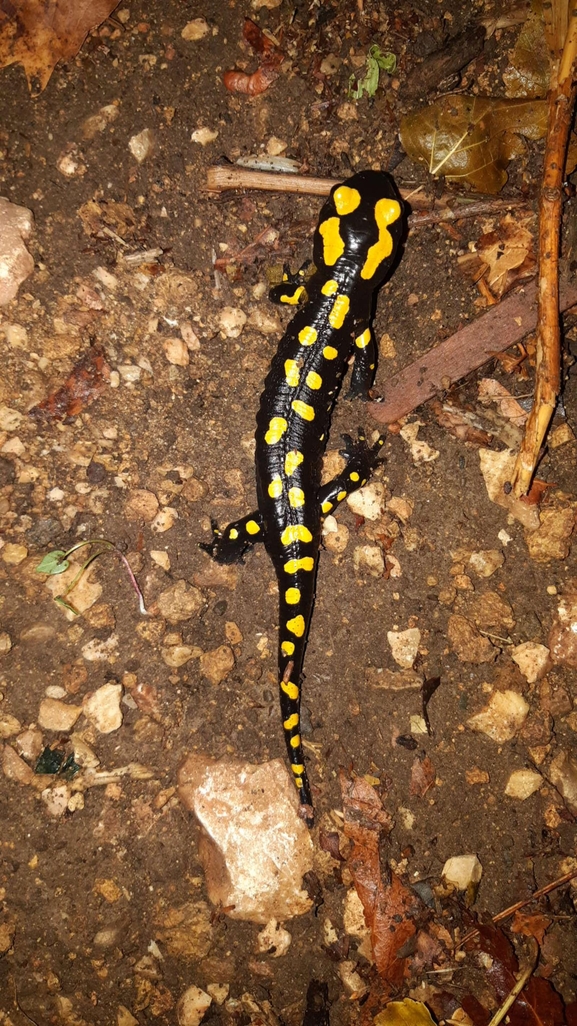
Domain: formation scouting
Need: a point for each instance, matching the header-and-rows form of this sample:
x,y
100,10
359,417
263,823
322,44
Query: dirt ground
x,y
104,903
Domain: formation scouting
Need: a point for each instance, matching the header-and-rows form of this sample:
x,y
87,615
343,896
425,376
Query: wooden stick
x,y
561,103
470,347
221,179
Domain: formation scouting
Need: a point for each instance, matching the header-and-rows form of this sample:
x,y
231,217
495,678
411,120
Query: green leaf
x,y
53,563
377,61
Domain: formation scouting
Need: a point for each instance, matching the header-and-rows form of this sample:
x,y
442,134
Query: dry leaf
x,y
422,776
472,139
529,72
492,391
39,33
531,925
502,257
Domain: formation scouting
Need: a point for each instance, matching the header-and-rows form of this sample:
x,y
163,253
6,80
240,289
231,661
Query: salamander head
x,y
361,224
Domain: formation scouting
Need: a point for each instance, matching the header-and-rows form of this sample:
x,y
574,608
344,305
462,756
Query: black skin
x,y
293,421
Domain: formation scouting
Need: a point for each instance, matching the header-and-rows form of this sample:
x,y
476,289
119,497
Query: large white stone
x,y
253,844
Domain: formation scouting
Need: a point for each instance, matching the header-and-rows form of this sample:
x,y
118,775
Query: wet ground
x,y
95,898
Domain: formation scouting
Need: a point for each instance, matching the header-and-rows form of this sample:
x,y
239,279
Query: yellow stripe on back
x,y
333,244
386,212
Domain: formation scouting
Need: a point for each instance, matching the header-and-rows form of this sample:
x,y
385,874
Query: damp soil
x,y
89,892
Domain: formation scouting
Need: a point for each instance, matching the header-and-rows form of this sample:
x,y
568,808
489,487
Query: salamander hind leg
x,y
231,544
361,461
362,377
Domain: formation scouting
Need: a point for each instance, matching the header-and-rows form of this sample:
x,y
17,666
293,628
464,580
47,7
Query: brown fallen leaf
x,y
531,925
462,424
87,380
39,33
390,908
422,776
502,258
491,390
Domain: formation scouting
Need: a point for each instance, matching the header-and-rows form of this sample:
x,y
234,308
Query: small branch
x,y
470,347
447,207
561,103
516,990
507,912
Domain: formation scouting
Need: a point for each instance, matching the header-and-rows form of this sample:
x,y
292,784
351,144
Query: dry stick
x,y
516,990
507,912
220,179
562,95
470,347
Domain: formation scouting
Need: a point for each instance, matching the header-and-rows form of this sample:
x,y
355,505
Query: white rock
x,y
218,992
56,715
485,562
273,940
254,846
523,783
203,136
164,520
421,452
335,535
97,651
13,554
231,321
142,145
5,642
196,29
100,121
130,372
404,646
463,872
16,262
10,419
161,558
502,718
124,1016
497,469
102,708
9,725
532,659
563,774
56,799
368,502
70,163
369,559
352,981
176,352
192,1006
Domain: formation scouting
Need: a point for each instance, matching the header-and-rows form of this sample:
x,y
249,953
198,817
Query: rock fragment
x,y
102,708
179,602
523,783
532,659
502,717
468,644
16,263
56,715
254,846
405,646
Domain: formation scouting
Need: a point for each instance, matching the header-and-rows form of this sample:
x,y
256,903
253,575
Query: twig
x,y
447,207
561,102
566,878
516,990
470,347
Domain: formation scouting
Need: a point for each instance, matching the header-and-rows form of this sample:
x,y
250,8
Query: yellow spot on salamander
x,y
291,722
299,782
308,336
233,533
363,340
297,769
339,311
354,476
314,380
276,429
275,488
346,199
330,287
292,565
303,409
295,532
293,459
330,353
333,244
293,298
386,212
295,741
290,689
296,626
292,372
296,497
341,495
292,596
326,506
287,648
252,527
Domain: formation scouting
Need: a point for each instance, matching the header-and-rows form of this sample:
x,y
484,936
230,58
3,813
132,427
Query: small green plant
x,y
376,61
57,561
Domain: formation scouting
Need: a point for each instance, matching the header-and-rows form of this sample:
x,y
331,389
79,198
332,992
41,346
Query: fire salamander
x,y
356,245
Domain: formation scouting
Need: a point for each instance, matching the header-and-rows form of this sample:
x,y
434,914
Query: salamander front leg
x,y
361,461
230,544
291,290
364,366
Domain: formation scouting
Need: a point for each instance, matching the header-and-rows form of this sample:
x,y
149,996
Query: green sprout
x,y
376,61
57,561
